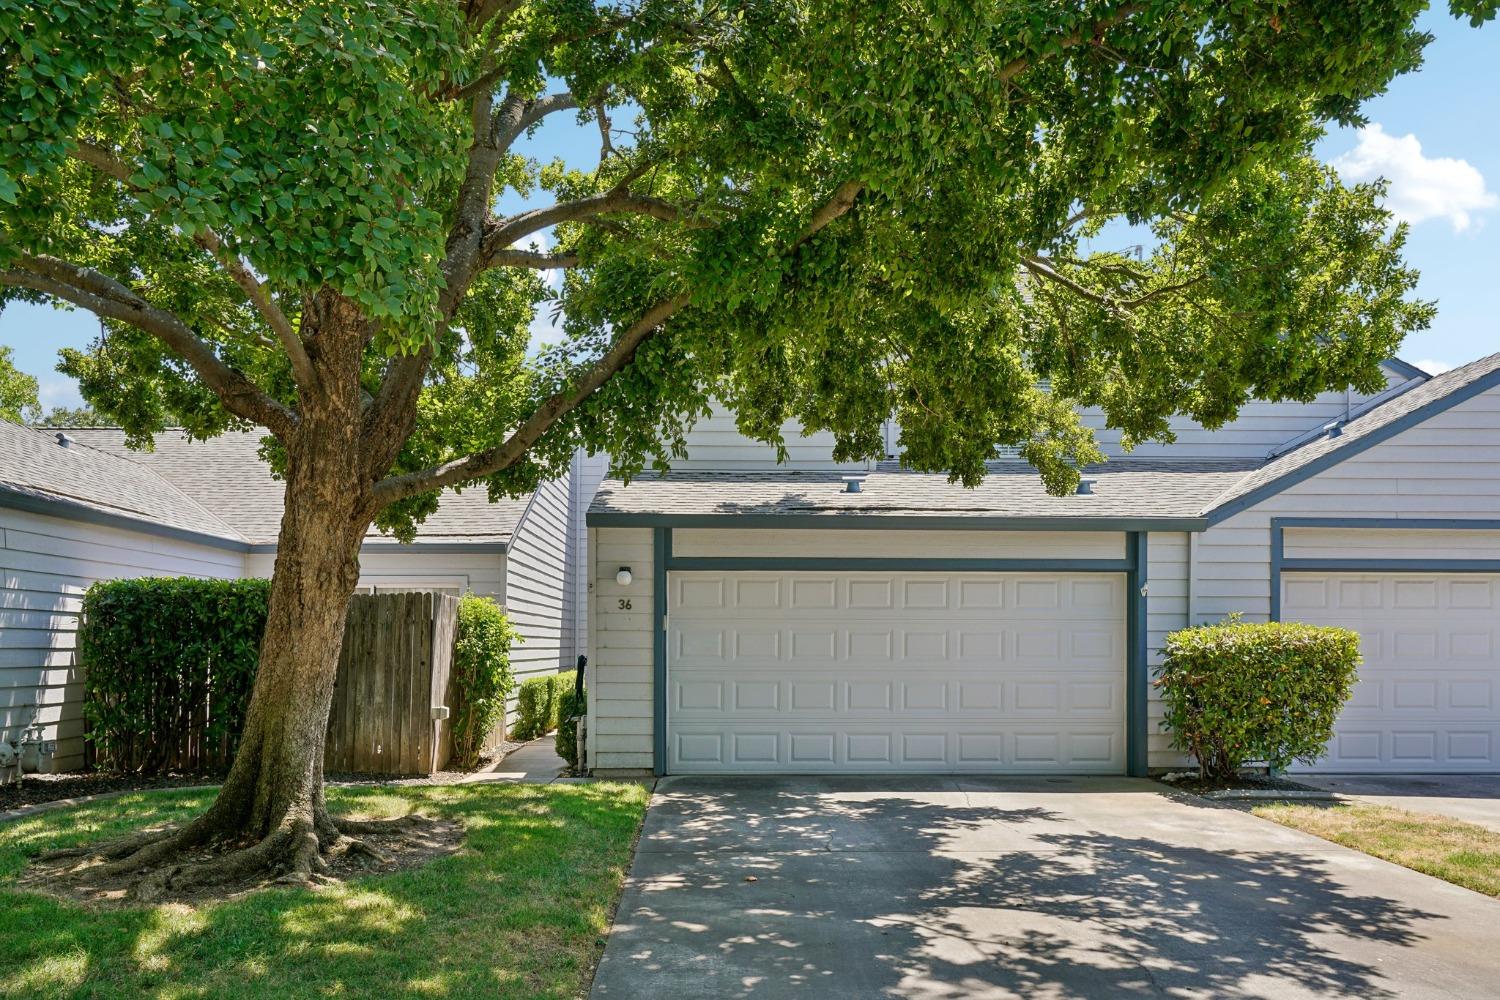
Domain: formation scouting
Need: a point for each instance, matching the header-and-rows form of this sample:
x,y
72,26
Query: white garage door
x,y
1427,692
918,672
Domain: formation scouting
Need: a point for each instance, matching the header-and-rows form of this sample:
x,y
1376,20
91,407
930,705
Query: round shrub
x,y
1238,692
481,676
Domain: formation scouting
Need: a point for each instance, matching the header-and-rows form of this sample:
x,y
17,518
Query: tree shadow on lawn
x,y
518,912
893,896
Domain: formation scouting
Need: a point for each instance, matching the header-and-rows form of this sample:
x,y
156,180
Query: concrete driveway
x,y
949,888
1473,798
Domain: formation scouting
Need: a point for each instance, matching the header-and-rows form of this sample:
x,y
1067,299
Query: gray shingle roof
x,y
1416,404
1123,488
225,474
34,464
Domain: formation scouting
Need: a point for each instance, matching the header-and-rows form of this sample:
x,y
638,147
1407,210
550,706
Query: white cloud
x,y
1421,188
1432,367
59,392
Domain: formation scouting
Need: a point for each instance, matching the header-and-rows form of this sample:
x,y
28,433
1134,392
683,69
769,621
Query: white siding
x,y
1260,428
47,563
887,544
620,651
715,443
1166,611
535,589
1445,467
483,573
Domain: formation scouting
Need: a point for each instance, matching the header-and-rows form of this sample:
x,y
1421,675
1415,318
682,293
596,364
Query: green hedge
x,y
538,703
481,676
164,658
1238,693
570,706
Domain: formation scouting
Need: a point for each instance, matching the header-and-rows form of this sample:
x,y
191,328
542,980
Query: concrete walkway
x,y
1054,888
1473,798
534,763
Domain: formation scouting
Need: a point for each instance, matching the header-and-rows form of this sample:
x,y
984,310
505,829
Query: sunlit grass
x,y
1462,853
519,912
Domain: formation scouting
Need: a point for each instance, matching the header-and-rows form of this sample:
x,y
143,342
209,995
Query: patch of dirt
x,y
1242,783
408,846
34,789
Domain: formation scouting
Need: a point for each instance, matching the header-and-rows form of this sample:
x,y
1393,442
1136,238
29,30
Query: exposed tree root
x,y
310,848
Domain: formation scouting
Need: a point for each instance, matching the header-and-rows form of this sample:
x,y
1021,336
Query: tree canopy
x,y
18,390
806,209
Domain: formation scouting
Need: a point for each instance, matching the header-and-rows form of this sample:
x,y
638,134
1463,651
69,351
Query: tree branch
x,y
302,369
552,409
512,257
106,297
1093,31
507,231
838,205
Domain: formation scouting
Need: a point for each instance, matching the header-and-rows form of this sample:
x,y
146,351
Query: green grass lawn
x,y
1462,853
521,911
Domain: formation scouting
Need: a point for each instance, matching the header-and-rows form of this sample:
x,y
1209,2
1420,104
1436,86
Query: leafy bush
x,y
569,707
155,652
534,712
538,703
1238,692
562,686
481,676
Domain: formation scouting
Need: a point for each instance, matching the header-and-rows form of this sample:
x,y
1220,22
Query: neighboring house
x,y
77,506
777,621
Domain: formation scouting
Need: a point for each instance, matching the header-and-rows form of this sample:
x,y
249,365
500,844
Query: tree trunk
x,y
271,807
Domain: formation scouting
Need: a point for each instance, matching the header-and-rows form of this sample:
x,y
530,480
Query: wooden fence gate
x,y
394,676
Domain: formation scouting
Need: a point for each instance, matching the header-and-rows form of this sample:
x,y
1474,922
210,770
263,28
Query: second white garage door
x,y
1429,688
804,672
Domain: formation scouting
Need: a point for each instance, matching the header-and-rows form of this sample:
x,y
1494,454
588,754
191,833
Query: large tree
x,y
18,391
286,215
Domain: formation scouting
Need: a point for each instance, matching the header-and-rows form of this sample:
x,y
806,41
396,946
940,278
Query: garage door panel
x,y
822,748
896,672
1428,690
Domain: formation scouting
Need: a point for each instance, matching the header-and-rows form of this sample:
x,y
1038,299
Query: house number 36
x,y
624,604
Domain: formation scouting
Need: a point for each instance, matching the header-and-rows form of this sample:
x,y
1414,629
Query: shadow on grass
x,y
826,889
518,912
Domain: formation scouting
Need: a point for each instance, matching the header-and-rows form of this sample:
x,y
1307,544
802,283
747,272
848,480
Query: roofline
x,y
894,522
1348,450
73,510
55,506
1406,368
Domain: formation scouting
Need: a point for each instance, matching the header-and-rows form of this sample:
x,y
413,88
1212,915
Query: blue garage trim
x,y
1353,447
662,554
1133,566
1136,681
854,564
892,522
1280,564
1391,565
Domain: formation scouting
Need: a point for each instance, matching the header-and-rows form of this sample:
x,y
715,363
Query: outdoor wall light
x,y
623,577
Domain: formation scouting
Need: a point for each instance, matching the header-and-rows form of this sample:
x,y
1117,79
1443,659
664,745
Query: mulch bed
x,y
1245,785
403,848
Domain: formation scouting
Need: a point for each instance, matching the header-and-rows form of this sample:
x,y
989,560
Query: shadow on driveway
x,y
953,888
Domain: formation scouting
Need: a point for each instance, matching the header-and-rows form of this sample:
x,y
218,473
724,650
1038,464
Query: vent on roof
x,y
65,439
1085,487
853,484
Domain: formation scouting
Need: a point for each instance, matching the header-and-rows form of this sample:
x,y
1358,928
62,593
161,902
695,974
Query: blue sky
x,y
1435,135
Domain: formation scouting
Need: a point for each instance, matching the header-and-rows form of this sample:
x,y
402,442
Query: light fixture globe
x,y
623,577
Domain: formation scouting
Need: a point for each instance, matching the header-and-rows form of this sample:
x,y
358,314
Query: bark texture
x,y
271,809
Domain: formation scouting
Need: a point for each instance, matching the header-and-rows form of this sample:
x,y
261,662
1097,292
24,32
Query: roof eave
x,y
55,506
897,522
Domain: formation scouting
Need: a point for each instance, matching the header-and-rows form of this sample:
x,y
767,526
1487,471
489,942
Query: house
x,y
814,617
77,506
